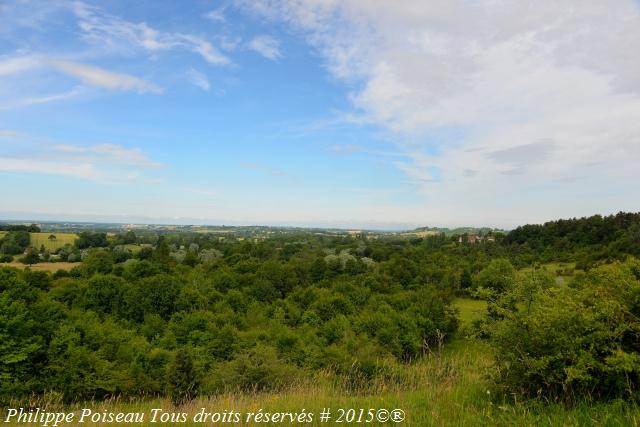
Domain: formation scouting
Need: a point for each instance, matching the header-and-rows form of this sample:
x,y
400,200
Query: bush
x,y
572,343
498,276
257,369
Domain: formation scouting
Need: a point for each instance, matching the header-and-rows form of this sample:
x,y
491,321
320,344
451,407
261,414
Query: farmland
x,y
52,244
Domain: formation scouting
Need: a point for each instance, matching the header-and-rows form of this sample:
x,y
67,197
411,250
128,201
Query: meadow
x,y
42,239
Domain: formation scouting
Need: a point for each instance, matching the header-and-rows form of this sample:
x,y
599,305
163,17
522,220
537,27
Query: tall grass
x,y
448,389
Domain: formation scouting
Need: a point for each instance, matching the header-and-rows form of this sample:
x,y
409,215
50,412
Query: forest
x,y
187,315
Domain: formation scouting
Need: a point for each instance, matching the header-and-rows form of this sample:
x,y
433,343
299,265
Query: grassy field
x,y
39,239
43,266
470,310
564,271
450,389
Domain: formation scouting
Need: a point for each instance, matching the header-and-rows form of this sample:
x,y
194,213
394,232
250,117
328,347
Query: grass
x,y
51,267
39,239
563,271
135,248
470,310
448,389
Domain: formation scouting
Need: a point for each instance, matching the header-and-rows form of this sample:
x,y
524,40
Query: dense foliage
x,y
585,240
571,342
256,315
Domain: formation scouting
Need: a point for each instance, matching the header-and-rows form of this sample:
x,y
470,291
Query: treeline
x,y
33,228
584,240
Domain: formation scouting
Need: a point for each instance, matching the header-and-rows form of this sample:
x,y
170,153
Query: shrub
x,y
571,343
498,276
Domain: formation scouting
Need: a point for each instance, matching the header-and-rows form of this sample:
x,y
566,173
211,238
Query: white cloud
x,y
198,79
18,64
73,170
107,153
204,48
216,15
42,99
95,76
87,74
115,33
102,162
455,83
266,46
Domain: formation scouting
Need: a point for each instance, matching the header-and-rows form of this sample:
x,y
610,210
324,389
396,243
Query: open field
x,y
39,239
43,266
450,389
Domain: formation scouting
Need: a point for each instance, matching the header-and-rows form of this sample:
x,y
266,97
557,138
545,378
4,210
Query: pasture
x,y
52,244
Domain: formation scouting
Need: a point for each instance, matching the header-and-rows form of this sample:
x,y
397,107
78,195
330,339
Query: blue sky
x,y
351,113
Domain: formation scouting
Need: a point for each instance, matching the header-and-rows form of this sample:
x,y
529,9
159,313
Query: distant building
x,y
474,238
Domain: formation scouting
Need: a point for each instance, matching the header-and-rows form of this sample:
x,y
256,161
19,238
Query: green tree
x,y
31,257
98,261
183,380
498,276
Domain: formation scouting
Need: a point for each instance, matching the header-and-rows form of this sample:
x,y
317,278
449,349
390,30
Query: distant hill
x,y
457,231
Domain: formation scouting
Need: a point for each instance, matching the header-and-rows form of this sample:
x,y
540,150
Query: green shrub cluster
x,y
570,343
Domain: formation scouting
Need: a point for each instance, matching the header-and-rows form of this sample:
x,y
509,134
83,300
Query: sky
x,y
347,113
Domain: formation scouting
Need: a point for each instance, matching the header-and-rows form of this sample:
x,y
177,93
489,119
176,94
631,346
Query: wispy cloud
x,y
266,46
95,76
216,15
88,74
45,167
18,64
103,29
109,163
198,79
108,153
43,99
